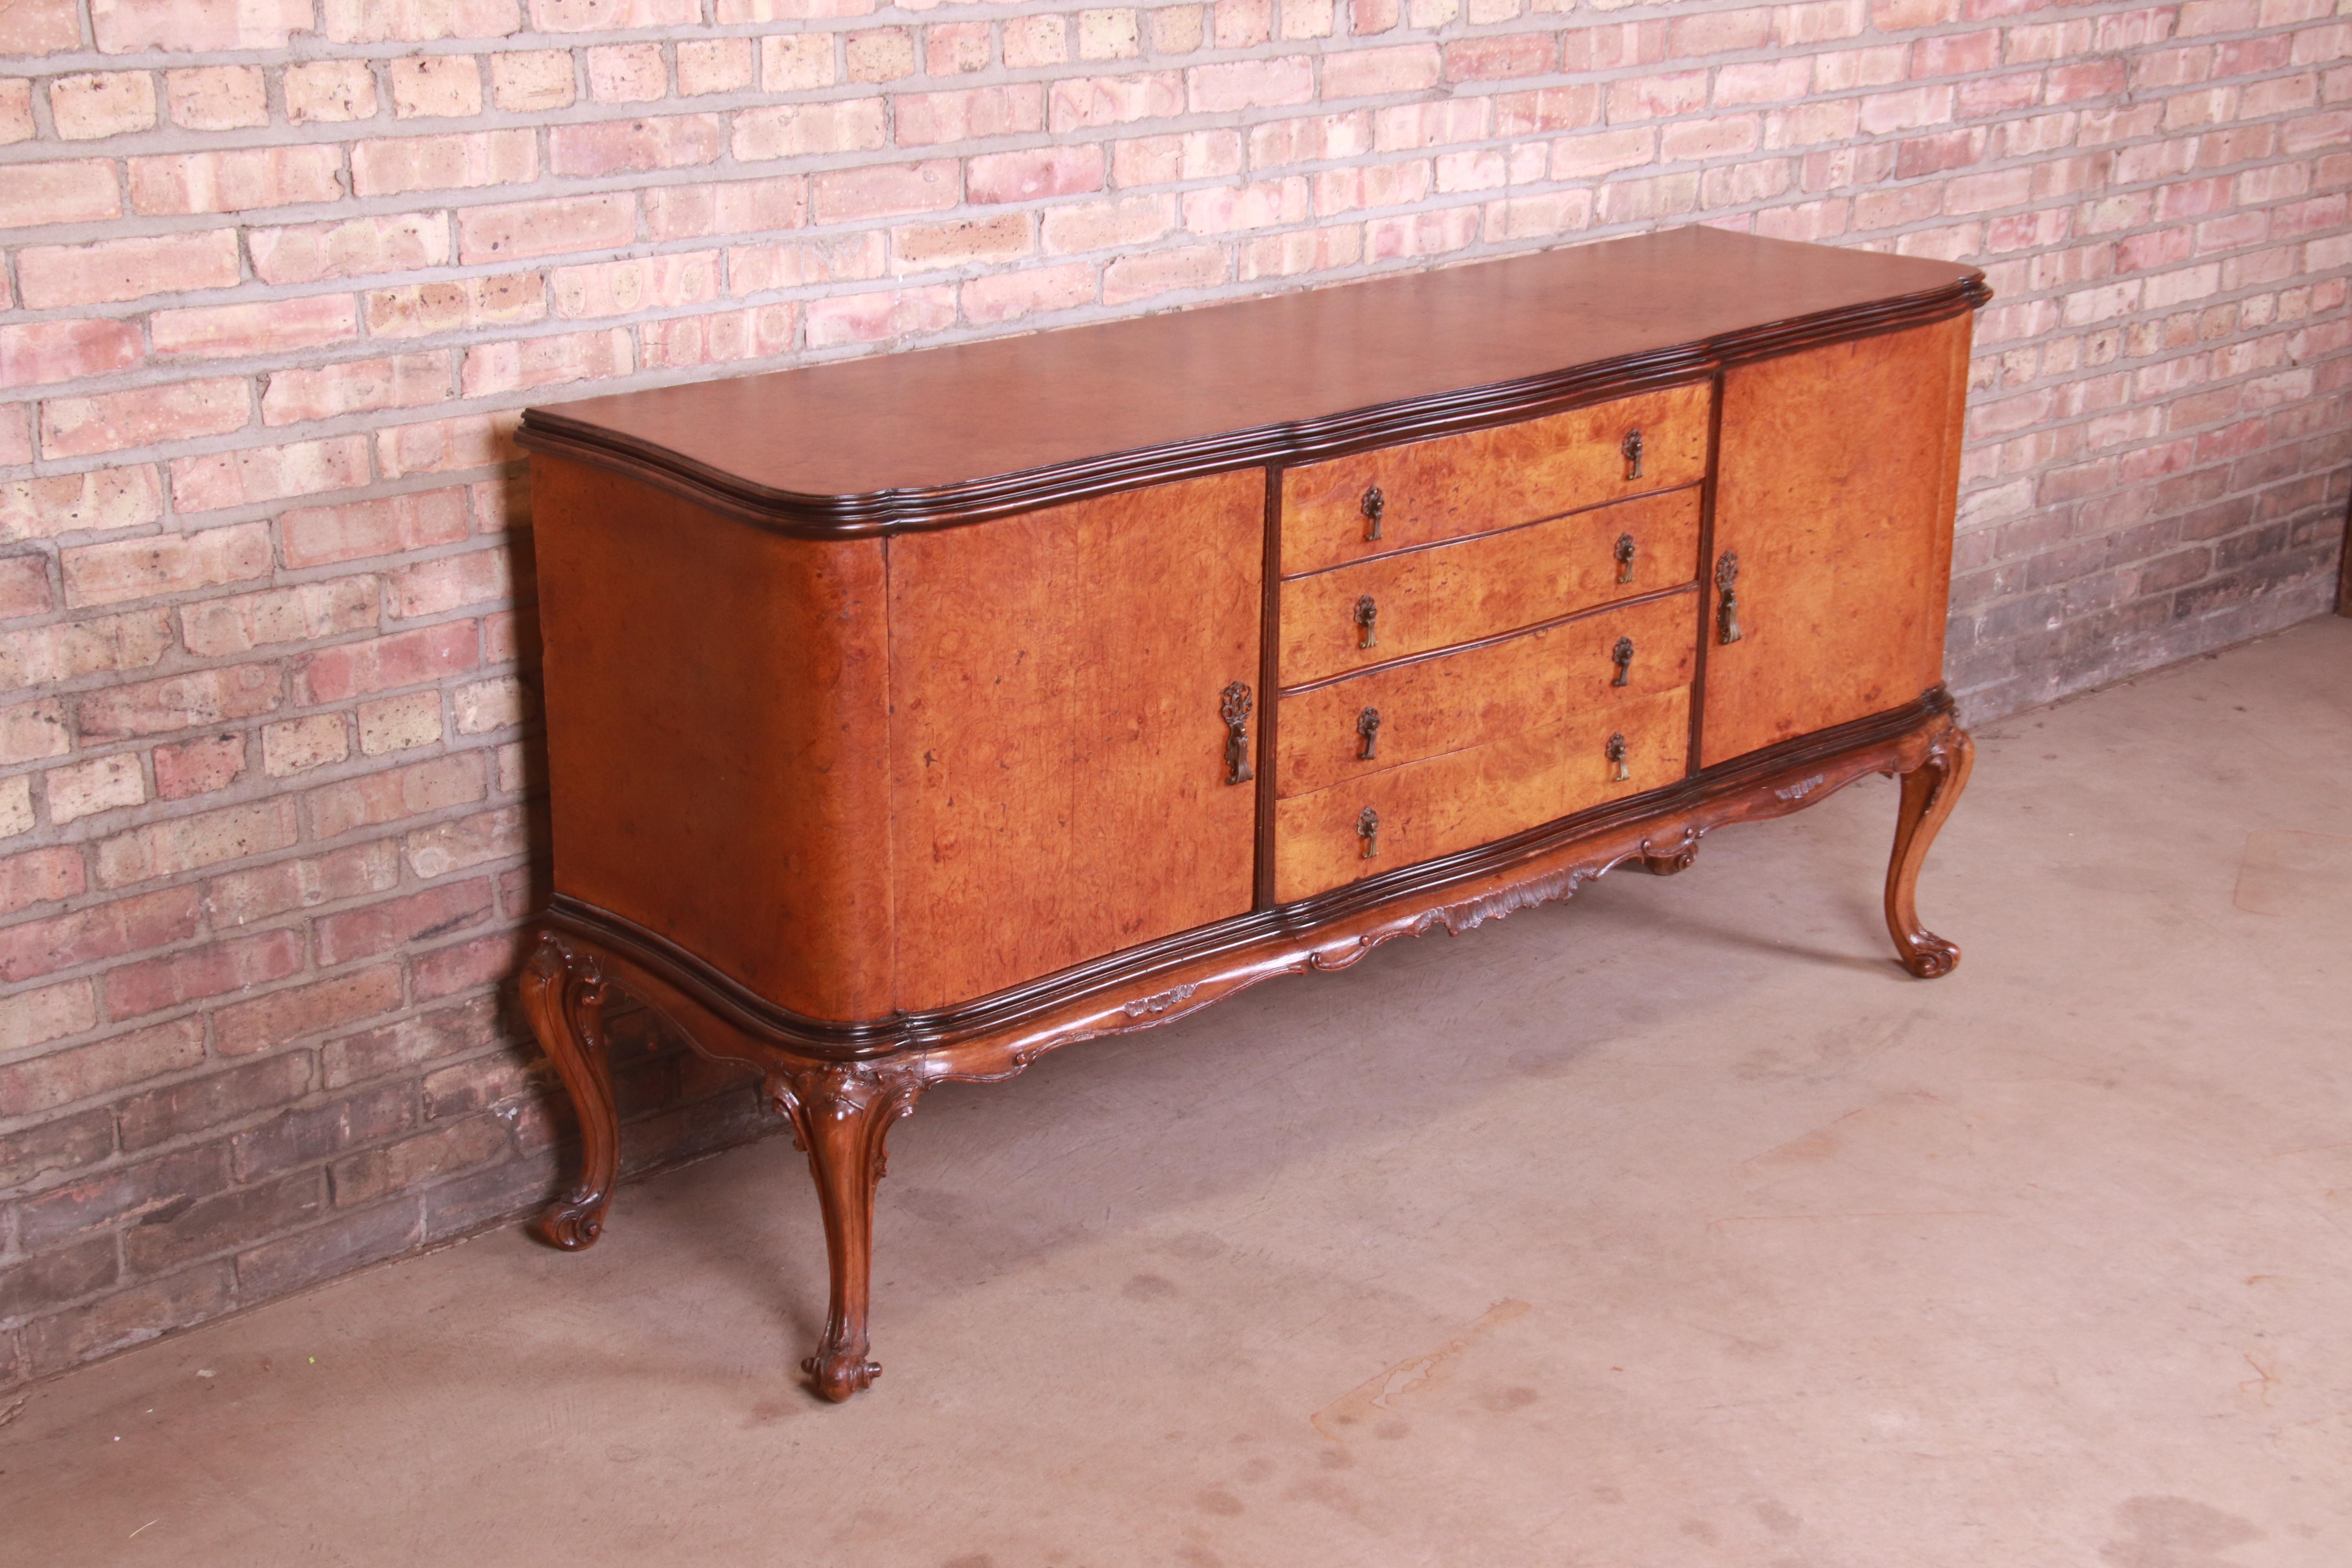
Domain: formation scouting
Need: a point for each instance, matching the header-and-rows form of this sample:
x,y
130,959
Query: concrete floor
x,y
1672,1225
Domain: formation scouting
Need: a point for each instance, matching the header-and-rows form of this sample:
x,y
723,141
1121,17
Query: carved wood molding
x,y
996,1037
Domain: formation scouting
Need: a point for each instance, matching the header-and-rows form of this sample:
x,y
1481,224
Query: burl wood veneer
x,y
910,717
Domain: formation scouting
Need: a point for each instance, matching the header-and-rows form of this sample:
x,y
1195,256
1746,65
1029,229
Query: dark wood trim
x,y
1147,983
1269,671
549,431
1591,612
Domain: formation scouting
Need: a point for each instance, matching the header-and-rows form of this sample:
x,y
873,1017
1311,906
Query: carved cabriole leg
x,y
564,995
841,1113
1929,792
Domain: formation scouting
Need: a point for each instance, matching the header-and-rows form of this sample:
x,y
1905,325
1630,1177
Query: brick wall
x,y
280,273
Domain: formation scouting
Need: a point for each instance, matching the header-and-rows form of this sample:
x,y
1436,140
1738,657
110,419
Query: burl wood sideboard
x,y
909,717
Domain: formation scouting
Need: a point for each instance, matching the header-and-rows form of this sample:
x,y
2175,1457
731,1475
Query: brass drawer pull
x,y
1368,726
1235,707
1632,450
1624,558
1374,504
1616,754
1368,828
1368,615
1623,657
1726,611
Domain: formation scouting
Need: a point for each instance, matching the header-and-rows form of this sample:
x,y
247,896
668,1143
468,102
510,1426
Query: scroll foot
x,y
1675,857
564,995
1930,793
841,1113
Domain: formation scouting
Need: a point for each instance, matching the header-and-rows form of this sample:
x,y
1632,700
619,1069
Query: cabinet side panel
x,y
716,719
1836,488
1057,754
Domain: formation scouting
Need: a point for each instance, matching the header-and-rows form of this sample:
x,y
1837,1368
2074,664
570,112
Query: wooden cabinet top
x,y
980,429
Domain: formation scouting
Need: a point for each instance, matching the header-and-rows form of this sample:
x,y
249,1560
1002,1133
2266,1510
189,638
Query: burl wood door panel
x,y
1058,778
1453,701
1463,799
1835,489
1451,486
716,735
1492,583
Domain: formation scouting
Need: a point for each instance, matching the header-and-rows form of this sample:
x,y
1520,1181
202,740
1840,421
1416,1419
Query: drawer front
x,y
1485,586
1485,479
1457,701
1443,805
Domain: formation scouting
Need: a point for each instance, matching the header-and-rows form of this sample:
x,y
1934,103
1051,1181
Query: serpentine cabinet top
x,y
952,435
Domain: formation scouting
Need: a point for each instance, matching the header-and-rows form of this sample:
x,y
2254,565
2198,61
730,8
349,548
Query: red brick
x,y
110,422
238,180
315,536
115,269
236,964
127,1317
809,129
735,208
610,16
706,65
303,613
217,98
545,227
411,1042
24,586
338,1246
241,898
877,317
200,697
354,386
402,922
432,587
34,948
926,119
719,337
133,1192
216,1223
393,166
469,441
39,876
330,91
54,1144
199,766
469,841
127,26
516,364
52,1278
644,282
1132,278
66,350
886,190
353,247
374,799
166,564
31,730
307,1134
1496,59
190,843
1267,84
213,1101
76,192
381,663
43,1083
462,966
1028,176
628,146
1086,102
420,309
46,1013
298,1011
39,26
254,474
415,1162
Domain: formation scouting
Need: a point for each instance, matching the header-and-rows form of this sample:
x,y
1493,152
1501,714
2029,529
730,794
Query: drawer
x,y
1453,701
1441,805
1485,479
1489,583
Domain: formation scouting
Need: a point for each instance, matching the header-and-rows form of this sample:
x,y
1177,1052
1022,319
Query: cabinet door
x,y
1837,475
1058,756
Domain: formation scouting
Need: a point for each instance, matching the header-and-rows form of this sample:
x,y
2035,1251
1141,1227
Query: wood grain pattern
x,y
913,439
1451,702
1057,757
1486,585
716,735
1463,799
1497,478
1834,487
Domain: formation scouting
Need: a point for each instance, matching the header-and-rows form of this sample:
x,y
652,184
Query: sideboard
x,y
911,716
